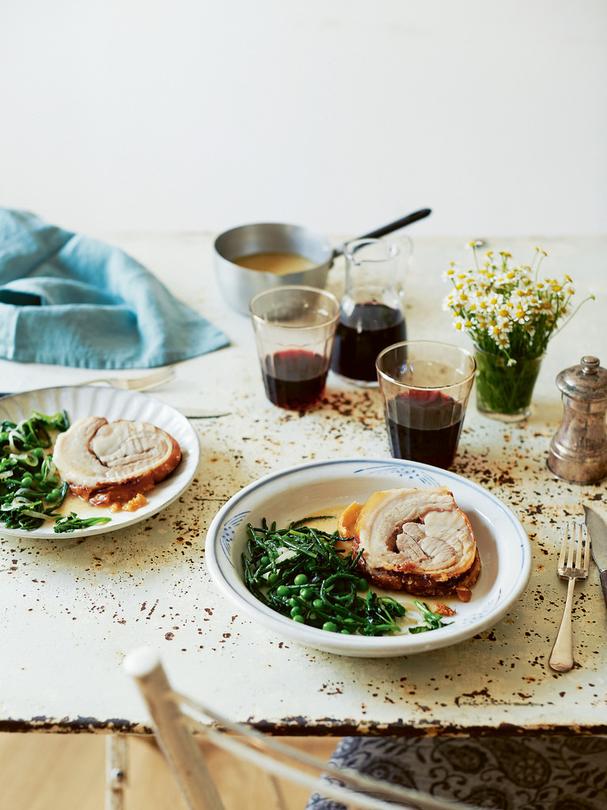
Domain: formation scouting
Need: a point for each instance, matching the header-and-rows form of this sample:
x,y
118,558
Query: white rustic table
x,y
71,609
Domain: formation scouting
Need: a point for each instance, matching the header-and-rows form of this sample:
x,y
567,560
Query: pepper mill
x,y
578,451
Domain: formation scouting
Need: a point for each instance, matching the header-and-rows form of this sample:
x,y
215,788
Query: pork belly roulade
x,y
112,462
415,540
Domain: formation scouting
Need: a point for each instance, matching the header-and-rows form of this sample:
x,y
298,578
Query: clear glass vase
x,y
504,392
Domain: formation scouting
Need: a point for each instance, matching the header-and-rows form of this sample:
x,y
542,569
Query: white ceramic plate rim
x,y
394,645
184,475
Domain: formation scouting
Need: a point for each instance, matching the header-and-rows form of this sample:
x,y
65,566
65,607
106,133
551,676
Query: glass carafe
x,y
372,311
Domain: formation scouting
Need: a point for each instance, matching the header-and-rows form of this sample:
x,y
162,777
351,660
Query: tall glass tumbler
x,y
425,385
294,328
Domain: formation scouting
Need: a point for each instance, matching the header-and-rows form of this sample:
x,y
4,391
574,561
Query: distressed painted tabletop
x,y
71,609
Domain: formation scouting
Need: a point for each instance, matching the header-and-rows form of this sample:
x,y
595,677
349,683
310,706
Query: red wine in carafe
x,y
294,378
361,335
424,426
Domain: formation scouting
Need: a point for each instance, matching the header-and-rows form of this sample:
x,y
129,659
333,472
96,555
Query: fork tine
x,y
579,545
158,374
570,544
564,543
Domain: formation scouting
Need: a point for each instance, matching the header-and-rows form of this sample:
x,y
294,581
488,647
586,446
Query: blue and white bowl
x,y
299,491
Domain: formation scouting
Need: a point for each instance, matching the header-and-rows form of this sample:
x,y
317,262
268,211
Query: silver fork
x,y
142,383
575,543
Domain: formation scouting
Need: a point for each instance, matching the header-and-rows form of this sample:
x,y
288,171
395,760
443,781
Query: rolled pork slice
x,y
416,540
111,462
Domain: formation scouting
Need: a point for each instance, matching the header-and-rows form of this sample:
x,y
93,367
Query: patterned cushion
x,y
508,773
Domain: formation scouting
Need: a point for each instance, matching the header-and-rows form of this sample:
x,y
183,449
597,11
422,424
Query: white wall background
x,y
339,114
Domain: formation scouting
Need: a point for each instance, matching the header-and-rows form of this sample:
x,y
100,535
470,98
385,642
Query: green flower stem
x,y
505,389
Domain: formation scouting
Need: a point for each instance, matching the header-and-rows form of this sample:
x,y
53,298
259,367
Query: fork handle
x,y
93,382
561,658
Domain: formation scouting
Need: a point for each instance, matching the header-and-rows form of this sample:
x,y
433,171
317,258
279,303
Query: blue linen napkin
x,y
70,300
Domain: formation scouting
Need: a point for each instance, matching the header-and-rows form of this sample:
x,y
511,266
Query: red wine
x,y
424,426
362,335
294,378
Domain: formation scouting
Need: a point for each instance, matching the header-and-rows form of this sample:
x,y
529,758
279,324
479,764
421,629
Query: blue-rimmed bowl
x,y
296,492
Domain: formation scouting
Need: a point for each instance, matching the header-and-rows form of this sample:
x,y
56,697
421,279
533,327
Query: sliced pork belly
x,y
416,540
111,462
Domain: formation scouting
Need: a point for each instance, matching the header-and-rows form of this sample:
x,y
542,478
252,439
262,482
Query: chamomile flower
x,y
507,306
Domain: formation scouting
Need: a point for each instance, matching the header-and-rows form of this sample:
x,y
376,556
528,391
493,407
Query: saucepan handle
x,y
390,227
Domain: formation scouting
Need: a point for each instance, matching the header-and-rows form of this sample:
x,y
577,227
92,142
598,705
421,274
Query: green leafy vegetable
x,y
33,432
71,522
432,620
31,489
30,486
299,572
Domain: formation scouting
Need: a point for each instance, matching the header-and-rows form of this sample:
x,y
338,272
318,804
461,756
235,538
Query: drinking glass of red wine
x,y
371,313
425,385
294,328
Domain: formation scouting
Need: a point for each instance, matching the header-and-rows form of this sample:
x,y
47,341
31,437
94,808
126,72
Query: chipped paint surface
x,y
71,609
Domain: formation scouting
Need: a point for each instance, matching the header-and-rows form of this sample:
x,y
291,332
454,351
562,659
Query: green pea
x,y
298,618
274,577
312,616
282,590
318,604
330,627
307,593
296,611
292,602
264,560
363,585
3,437
27,480
300,579
345,632
38,452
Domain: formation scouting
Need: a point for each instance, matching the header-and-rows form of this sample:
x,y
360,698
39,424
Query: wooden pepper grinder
x,y
578,451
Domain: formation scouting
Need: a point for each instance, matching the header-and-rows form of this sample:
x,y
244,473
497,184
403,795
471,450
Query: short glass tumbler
x,y
294,328
425,386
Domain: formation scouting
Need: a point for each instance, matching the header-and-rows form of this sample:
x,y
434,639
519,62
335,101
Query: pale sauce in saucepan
x,y
281,264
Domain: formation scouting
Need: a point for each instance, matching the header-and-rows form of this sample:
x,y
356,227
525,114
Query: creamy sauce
x,y
82,508
325,519
85,509
281,264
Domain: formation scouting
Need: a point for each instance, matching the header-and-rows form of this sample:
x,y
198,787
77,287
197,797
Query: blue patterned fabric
x,y
71,300
506,773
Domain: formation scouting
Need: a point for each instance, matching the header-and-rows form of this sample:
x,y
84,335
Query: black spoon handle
x,y
390,227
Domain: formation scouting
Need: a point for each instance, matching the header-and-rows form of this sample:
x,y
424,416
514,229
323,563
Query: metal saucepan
x,y
239,284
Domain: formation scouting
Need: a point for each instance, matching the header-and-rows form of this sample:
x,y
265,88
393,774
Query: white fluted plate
x,y
111,403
